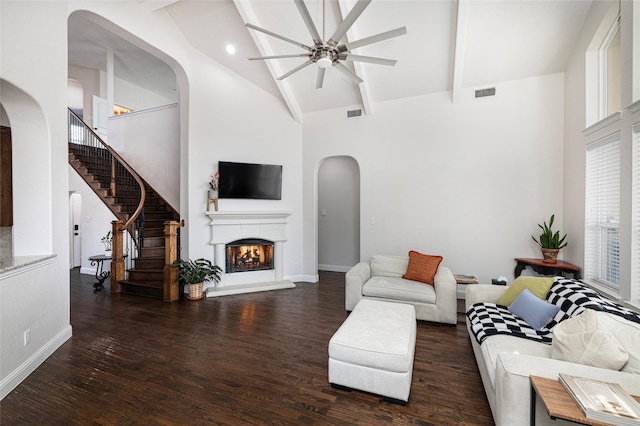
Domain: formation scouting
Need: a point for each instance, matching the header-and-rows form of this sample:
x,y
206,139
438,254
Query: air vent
x,y
483,93
354,113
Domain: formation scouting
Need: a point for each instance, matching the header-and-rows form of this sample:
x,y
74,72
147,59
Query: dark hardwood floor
x,y
250,359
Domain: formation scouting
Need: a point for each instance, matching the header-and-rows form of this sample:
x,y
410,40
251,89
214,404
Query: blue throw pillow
x,y
535,311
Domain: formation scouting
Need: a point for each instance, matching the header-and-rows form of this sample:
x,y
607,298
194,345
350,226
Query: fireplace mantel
x,y
222,217
229,226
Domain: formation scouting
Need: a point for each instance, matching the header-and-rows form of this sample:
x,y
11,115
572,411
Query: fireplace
x,y
261,270
249,254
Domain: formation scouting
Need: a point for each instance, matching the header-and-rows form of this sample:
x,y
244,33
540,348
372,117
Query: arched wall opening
x,y
31,146
94,84
338,213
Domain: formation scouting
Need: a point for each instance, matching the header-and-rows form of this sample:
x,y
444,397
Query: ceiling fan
x,y
329,53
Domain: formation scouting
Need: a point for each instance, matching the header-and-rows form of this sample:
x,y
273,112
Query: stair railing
x,y
121,178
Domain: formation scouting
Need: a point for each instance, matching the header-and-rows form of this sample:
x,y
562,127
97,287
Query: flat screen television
x,y
253,181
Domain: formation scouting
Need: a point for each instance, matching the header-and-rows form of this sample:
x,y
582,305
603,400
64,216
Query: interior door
x,y
100,117
75,208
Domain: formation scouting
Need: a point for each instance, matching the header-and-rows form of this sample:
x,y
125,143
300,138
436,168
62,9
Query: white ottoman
x,y
373,350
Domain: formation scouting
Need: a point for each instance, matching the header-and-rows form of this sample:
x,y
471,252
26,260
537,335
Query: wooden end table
x,y
544,268
557,401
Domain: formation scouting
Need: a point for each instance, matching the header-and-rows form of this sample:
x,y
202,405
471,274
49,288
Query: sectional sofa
x,y
588,336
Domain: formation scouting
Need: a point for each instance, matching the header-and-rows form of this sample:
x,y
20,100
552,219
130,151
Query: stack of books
x,y
602,401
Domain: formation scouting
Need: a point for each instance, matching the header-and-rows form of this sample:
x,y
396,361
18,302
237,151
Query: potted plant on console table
x,y
195,273
550,242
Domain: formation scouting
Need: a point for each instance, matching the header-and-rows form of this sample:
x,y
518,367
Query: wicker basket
x,y
195,291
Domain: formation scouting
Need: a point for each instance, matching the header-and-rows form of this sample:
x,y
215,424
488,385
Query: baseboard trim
x,y
16,377
249,288
334,268
87,271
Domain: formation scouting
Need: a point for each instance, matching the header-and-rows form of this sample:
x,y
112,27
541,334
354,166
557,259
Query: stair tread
x,y
142,284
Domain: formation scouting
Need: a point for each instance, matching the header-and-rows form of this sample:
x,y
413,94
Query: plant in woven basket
x,y
194,273
197,271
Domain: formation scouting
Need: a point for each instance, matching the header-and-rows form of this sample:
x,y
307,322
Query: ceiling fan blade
x,y
346,71
296,55
296,69
373,39
320,78
354,14
272,34
369,59
306,17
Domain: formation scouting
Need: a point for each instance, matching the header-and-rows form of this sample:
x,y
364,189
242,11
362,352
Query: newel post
x,y
170,286
117,259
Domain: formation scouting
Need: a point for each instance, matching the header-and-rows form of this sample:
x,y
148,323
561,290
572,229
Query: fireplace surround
x,y
230,228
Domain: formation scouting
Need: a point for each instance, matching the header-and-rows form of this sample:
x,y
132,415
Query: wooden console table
x,y
545,268
557,401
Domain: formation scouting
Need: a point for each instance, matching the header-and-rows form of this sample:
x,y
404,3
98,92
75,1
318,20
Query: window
x,y
635,216
602,212
603,62
611,84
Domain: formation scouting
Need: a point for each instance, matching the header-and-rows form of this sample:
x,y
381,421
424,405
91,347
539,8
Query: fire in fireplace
x,y
249,254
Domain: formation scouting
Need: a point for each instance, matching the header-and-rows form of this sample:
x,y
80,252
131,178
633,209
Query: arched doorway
x,y
338,214
6,191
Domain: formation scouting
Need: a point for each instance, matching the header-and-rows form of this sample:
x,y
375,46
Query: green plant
x,y
197,271
548,239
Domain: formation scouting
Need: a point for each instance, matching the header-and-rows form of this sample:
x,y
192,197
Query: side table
x,y
101,275
544,268
461,288
557,401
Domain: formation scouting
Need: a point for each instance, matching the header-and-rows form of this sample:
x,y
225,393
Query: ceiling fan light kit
x,y
330,53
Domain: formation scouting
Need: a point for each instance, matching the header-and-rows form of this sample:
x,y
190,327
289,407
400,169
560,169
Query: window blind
x,y
602,211
635,216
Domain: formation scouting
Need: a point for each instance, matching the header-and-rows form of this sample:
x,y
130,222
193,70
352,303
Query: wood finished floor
x,y
250,359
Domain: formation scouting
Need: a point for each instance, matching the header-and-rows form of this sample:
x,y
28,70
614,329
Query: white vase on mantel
x,y
213,194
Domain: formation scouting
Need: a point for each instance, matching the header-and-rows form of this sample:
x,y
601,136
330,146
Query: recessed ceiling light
x,y
231,49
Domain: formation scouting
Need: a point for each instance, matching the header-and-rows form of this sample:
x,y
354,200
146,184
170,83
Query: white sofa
x,y
381,279
506,362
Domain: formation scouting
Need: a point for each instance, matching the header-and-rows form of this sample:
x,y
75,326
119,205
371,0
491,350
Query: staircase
x,y
120,192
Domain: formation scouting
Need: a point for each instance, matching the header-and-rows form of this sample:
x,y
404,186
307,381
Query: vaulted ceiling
x,y
449,45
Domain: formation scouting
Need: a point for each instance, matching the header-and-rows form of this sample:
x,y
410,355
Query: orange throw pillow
x,y
422,267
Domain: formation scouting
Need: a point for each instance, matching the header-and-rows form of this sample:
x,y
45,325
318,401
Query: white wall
x,y
134,97
231,120
469,181
574,146
95,221
90,80
149,141
338,214
35,97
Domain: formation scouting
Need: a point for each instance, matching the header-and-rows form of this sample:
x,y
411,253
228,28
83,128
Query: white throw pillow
x,y
389,266
584,340
628,334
